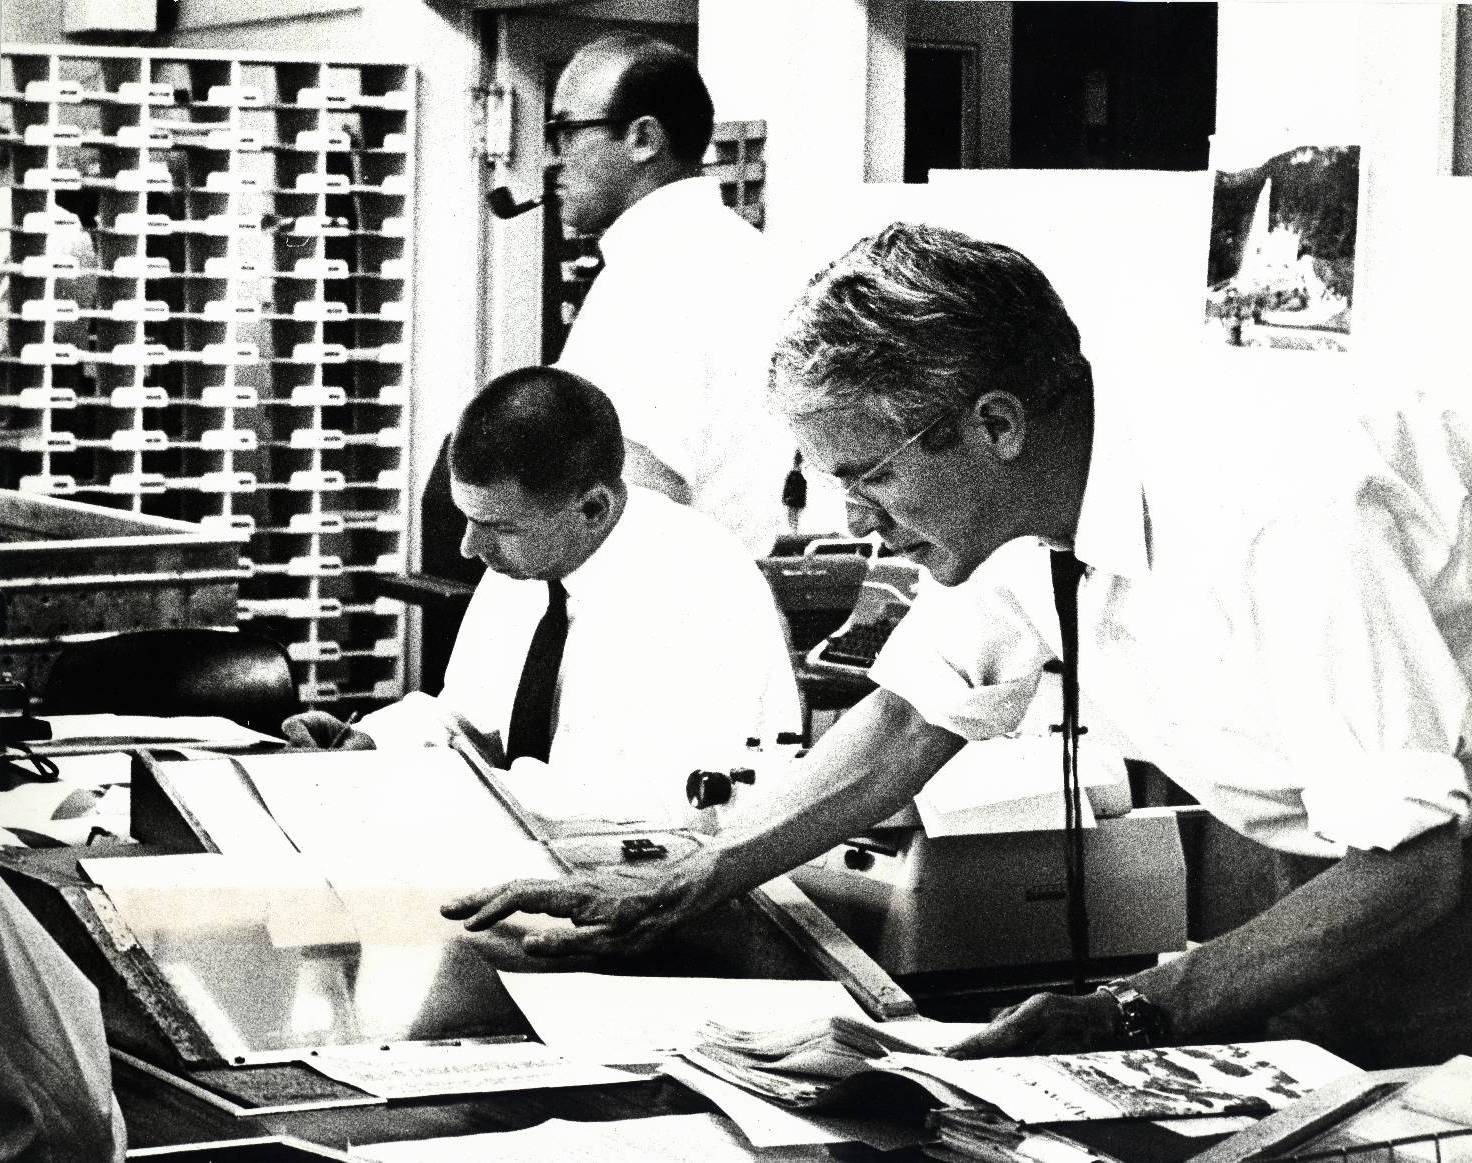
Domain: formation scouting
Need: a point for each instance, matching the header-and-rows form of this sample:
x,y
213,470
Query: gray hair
x,y
915,322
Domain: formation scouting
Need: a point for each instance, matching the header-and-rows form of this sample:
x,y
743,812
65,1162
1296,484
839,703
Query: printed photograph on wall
x,y
1280,270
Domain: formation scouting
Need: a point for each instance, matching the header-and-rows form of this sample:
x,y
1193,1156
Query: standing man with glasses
x,y
1276,608
678,325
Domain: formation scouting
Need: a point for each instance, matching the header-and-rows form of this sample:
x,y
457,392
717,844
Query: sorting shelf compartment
x,y
205,314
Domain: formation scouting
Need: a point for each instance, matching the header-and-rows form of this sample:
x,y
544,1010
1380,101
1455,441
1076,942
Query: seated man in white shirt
x,y
674,653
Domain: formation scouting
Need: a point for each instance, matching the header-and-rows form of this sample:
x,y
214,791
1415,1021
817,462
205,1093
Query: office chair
x,y
175,671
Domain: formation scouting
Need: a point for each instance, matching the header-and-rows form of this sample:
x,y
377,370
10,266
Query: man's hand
x,y
320,731
1046,1023
612,915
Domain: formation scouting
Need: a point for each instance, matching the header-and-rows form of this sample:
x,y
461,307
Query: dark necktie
x,y
1067,570
531,713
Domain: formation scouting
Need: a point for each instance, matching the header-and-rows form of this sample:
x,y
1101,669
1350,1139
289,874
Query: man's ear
x,y
596,505
1001,421
645,138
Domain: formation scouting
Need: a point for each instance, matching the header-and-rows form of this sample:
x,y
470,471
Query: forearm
x,y
1366,904
865,768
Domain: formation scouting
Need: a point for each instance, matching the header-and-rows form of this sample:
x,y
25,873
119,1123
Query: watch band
x,y
1141,1022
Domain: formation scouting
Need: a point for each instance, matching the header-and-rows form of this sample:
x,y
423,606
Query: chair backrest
x,y
175,671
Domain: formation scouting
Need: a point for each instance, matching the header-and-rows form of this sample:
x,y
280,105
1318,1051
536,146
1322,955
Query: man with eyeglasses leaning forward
x,y
1276,609
678,325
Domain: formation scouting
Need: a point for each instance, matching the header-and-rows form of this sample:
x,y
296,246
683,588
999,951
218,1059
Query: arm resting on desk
x,y
868,765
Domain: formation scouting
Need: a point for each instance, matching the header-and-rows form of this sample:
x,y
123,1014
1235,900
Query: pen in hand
x,y
342,732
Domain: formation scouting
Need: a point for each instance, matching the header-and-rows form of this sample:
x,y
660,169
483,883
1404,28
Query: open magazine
x,y
843,1062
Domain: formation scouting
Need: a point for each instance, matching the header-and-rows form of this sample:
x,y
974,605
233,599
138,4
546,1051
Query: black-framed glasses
x,y
558,129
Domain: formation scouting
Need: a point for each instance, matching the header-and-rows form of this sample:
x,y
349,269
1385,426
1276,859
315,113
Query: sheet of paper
x,y
154,728
411,806
421,1070
671,1138
644,1019
1008,785
227,809
767,1125
1171,1081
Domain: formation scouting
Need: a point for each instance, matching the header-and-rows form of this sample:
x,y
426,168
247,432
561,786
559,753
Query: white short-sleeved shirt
x,y
1277,612
678,330
675,655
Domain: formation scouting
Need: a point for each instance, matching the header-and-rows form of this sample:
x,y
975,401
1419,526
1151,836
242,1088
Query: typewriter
x,y
885,596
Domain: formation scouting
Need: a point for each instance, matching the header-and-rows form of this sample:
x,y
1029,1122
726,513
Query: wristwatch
x,y
1141,1022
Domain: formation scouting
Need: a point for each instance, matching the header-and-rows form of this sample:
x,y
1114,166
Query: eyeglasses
x,y
558,129
852,493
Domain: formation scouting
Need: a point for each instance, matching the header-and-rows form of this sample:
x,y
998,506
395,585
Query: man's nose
x,y
470,544
865,519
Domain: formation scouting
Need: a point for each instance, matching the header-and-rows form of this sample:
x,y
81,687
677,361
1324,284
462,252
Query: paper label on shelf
x,y
318,692
43,266
393,99
230,223
54,92
49,222
319,651
227,482
231,309
319,309
48,442
394,268
315,523
151,177
48,484
52,135
134,222
135,309
54,353
317,438
234,95
226,182
395,142
322,98
230,353
231,268
150,483
395,184
319,353
139,396
231,522
321,268
141,266
318,395
393,478
228,439
395,309
393,394
140,353
317,481
395,227
392,353
53,178
58,309
390,563
318,224
47,398
314,565
389,523
323,139
233,139
229,396
389,438
138,440
321,183
145,137
146,93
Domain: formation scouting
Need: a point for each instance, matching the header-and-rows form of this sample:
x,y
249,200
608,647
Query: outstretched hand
x,y
1046,1023
610,915
319,731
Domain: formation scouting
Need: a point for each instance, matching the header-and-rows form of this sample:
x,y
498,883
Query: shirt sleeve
x,y
969,658
1367,693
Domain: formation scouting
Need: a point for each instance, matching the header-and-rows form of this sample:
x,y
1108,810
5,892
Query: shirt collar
x,y
1112,521
649,218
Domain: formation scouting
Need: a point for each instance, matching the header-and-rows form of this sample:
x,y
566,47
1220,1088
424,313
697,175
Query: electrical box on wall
x,y
109,16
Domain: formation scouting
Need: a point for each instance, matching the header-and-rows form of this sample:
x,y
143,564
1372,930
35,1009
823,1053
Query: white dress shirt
x,y
1277,612
675,655
678,330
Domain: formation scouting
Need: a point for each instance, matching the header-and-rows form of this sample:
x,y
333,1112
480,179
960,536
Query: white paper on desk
x,y
98,770
644,1019
207,729
1009,785
404,805
766,1124
672,1138
407,1070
